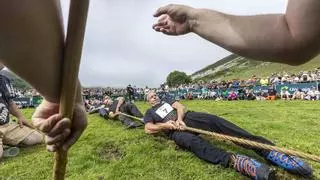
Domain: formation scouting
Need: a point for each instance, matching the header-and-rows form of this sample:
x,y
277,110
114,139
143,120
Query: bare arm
x,y
114,114
120,102
32,42
291,38
180,110
14,110
151,128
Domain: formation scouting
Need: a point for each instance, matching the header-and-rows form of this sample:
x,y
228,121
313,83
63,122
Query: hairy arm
x,y
120,102
14,110
151,128
117,112
180,110
291,38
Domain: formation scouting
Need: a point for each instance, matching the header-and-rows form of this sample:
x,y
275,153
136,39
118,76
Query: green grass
x,y
109,151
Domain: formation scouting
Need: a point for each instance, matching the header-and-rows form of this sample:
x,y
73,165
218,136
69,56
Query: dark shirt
x,y
161,112
6,95
130,90
113,106
272,92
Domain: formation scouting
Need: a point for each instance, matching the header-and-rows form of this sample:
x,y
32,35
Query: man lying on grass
x,y
168,116
112,109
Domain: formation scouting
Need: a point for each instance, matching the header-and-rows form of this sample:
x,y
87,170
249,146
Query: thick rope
x,y
245,142
133,117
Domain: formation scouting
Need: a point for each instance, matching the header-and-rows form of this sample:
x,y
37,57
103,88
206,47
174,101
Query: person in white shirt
x,y
313,94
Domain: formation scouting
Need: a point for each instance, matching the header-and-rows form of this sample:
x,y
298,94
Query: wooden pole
x,y
71,62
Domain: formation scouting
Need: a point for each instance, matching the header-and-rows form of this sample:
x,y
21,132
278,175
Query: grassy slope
x,y
261,69
108,151
218,63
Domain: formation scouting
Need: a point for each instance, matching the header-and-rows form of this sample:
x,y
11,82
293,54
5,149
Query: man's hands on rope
x,y
60,132
180,124
175,125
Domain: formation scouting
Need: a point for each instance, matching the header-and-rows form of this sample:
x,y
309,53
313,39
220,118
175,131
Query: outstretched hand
x,y
174,19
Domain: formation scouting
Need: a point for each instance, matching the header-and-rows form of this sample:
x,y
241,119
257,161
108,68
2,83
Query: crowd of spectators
x,y
225,90
234,89
21,93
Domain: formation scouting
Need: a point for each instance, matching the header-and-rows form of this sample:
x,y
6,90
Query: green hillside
x,y
218,63
16,80
235,66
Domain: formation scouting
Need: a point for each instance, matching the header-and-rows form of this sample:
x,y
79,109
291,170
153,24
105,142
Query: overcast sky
x,y
121,48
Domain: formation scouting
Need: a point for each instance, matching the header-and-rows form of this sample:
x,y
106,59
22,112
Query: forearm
x,y
180,110
180,113
14,110
120,102
259,37
32,42
275,37
118,108
154,128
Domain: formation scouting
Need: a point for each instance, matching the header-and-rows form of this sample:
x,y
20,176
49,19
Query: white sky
x,y
121,48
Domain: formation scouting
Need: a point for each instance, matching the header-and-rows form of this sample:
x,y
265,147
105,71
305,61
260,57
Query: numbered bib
x,y
164,110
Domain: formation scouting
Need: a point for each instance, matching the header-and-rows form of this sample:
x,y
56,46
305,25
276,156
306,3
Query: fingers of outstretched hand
x,y
162,21
162,29
163,18
164,10
160,24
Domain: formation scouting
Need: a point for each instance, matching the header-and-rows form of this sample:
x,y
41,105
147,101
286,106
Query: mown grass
x,y
109,151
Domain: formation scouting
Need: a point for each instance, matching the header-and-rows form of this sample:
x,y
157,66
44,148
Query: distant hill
x,y
8,74
16,80
235,66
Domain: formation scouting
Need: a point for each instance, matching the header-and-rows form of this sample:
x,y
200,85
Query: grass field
x,y
109,151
